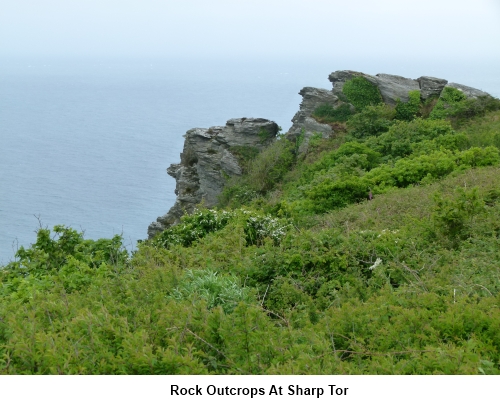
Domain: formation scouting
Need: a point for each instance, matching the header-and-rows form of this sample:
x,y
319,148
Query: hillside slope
x,y
372,251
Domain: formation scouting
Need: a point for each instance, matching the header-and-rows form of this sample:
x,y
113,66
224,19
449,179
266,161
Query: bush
x,y
403,136
333,194
196,226
244,154
365,158
193,227
259,227
408,111
372,121
327,114
215,289
361,93
65,258
453,217
454,105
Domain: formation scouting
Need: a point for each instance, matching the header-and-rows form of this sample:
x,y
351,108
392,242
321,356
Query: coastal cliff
x,y
210,156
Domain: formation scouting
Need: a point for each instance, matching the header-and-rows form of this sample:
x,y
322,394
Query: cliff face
x,y
208,158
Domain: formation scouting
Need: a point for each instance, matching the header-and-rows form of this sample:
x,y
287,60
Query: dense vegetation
x,y
297,271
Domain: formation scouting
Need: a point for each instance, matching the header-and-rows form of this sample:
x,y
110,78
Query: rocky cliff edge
x,y
207,160
209,157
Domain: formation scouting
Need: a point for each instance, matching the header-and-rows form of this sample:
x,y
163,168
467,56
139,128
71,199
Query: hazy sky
x,y
158,28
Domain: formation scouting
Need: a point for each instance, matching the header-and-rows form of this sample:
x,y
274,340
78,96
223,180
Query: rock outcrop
x,y
303,123
207,160
391,87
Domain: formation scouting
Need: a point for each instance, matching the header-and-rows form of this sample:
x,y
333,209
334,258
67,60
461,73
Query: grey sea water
x,y
85,143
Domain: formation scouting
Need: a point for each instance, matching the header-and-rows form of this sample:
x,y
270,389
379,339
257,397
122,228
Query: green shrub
x,y
477,157
65,258
269,167
365,158
193,227
244,154
372,121
236,194
453,142
327,114
453,217
361,93
408,111
257,227
329,195
403,136
214,289
454,105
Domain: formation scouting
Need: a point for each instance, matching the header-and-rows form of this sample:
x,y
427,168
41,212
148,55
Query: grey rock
x,y
391,87
206,163
303,123
339,77
394,87
470,92
430,86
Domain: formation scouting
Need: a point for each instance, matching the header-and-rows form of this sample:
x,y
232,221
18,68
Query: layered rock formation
x,y
303,122
207,160
391,88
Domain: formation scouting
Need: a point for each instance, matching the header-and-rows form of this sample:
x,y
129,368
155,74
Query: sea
x,y
85,142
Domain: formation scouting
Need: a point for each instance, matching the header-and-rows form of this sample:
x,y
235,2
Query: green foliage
x,y
64,258
314,279
372,121
352,154
402,137
328,195
270,166
361,93
263,174
258,228
453,104
408,111
264,136
327,114
214,289
193,227
484,131
244,154
453,217
450,102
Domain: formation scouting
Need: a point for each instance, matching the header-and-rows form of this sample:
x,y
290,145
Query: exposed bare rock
x,y
470,92
303,123
206,162
394,87
391,87
208,157
430,86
